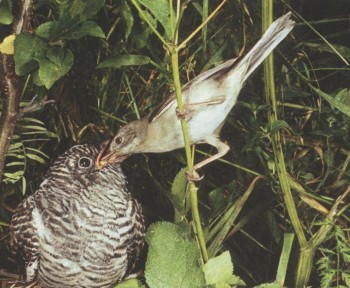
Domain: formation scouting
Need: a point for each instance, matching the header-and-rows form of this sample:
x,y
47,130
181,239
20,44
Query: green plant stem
x,y
305,259
307,254
192,187
183,44
276,137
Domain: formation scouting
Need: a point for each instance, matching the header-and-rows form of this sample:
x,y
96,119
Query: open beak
x,y
105,157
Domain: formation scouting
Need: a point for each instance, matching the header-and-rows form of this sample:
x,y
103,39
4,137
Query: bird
x,y
207,100
81,227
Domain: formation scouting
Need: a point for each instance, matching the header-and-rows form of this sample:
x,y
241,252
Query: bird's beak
x,y
106,156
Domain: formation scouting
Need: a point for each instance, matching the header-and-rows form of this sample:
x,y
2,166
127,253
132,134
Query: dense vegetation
x,y
87,67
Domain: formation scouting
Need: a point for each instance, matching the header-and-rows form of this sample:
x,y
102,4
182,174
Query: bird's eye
x,y
118,140
85,162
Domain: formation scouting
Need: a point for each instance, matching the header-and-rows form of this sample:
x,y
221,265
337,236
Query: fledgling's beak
x,y
106,156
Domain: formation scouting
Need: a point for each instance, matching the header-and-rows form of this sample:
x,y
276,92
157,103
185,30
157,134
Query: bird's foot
x,y
193,176
184,113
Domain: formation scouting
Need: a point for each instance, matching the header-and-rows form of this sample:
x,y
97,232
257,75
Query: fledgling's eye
x,y
118,140
85,162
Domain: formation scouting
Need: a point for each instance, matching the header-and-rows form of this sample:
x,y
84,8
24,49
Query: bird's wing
x,y
165,105
137,237
23,240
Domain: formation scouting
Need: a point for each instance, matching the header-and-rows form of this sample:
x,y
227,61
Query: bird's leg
x,y
188,109
222,150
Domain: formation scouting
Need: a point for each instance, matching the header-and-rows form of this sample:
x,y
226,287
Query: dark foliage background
x,y
90,104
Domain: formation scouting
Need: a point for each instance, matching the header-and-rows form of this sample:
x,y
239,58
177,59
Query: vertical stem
x,y
276,137
193,188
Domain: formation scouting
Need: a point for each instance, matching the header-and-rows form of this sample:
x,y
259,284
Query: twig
x,y
34,106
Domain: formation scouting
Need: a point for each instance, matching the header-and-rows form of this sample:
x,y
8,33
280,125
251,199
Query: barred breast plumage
x,y
81,228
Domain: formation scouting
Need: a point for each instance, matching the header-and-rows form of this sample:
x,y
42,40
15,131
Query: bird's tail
x,y
277,31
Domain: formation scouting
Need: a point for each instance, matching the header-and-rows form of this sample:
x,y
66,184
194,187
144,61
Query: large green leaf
x,y
71,23
56,64
28,50
173,258
81,10
87,28
218,272
5,12
160,9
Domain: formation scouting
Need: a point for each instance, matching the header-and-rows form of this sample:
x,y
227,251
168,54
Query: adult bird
x,y
81,228
208,98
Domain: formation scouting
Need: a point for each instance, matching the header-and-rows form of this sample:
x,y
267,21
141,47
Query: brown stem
x,y
11,84
10,106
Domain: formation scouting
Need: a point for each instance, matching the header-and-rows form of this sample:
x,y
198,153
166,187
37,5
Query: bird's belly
x,y
82,254
204,123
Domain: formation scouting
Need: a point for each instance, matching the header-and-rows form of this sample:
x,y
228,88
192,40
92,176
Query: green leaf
x,y
278,125
268,285
56,64
124,60
35,158
45,30
5,12
15,146
334,49
218,272
178,194
336,102
29,119
70,24
142,31
28,49
218,269
80,10
128,18
173,258
160,9
15,176
131,283
343,96
87,28
32,127
16,163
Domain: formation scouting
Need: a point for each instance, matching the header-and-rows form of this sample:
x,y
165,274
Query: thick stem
x,y
10,85
10,105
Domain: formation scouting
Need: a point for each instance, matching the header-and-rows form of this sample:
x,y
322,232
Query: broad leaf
x,y
28,50
160,10
70,24
218,272
6,47
56,64
173,258
87,28
5,12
